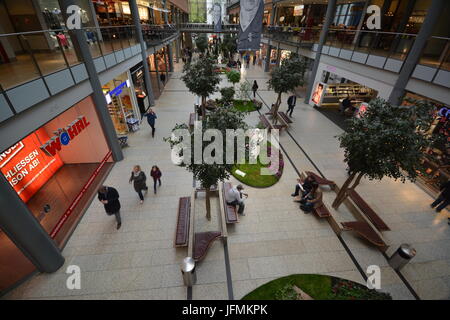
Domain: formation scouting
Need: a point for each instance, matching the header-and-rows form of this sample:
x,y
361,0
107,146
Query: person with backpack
x,y
254,88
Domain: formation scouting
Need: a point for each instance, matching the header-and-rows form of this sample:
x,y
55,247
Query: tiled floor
x,y
274,238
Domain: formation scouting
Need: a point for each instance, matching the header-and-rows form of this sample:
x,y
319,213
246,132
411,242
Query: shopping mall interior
x,y
76,114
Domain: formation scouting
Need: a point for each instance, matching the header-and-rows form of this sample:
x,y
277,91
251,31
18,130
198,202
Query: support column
x,y
148,84
101,107
331,9
435,10
24,230
169,47
269,47
361,22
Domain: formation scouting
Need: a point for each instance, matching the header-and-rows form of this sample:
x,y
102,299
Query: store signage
x,y
116,91
298,10
26,167
62,137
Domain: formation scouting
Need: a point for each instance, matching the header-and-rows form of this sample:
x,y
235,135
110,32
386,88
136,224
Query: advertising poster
x,y
217,17
318,93
26,167
251,17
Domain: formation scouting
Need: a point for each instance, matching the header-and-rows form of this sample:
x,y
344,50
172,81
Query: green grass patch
x,y
319,287
244,105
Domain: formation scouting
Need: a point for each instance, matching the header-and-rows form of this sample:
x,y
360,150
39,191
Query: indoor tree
x,y
384,141
233,76
201,79
285,78
206,173
201,43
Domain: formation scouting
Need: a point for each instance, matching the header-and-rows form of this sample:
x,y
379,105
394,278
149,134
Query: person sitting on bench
x,y
234,198
312,200
305,186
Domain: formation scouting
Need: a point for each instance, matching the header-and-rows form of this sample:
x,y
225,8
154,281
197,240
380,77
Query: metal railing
x,y
384,44
41,53
205,27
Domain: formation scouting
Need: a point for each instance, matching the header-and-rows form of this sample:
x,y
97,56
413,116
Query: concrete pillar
x,y
267,61
24,230
331,9
169,47
101,107
434,11
137,24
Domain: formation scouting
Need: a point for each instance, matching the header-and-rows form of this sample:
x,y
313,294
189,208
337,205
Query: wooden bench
x,y
285,117
364,230
202,242
368,211
322,211
266,123
231,215
182,229
320,180
191,120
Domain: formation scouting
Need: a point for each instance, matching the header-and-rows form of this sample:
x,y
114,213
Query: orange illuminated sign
x,y
26,167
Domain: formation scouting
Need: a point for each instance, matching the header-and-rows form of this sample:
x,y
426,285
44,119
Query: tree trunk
x,y
277,106
208,204
203,107
342,192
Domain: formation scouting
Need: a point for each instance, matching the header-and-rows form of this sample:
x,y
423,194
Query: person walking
x,y
292,100
443,199
254,59
156,175
151,117
110,199
254,88
139,179
234,198
247,61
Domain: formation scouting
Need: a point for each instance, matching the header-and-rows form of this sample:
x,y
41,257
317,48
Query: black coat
x,y
112,196
445,189
292,100
139,181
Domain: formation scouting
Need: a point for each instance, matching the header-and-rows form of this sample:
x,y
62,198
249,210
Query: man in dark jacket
x,y
151,117
443,199
292,100
110,199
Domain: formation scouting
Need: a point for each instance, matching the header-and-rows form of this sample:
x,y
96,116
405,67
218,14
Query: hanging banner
x,y
251,19
217,17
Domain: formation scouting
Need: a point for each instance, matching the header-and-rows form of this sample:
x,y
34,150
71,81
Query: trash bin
x,y
188,272
402,256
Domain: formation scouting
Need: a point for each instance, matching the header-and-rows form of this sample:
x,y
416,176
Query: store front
x,y
122,104
55,171
159,70
330,91
137,76
436,157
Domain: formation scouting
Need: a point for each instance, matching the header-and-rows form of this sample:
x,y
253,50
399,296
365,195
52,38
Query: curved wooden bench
x,y
202,242
320,180
285,117
182,229
231,215
322,212
365,230
368,211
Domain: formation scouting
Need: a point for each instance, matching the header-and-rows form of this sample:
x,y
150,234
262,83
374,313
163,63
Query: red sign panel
x,y
26,167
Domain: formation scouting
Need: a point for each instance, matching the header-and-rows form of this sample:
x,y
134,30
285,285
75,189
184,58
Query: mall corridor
x,y
274,239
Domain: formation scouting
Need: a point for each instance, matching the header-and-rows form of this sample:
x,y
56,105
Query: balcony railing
x,y
387,45
205,27
42,53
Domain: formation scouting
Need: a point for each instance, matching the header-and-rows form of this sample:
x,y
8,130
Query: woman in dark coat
x,y
110,199
156,175
139,178
254,88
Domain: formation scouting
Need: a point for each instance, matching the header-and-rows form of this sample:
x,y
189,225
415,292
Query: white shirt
x,y
233,194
